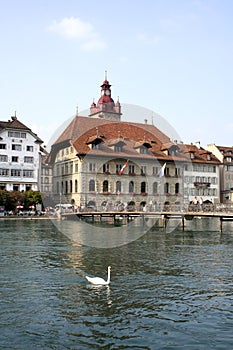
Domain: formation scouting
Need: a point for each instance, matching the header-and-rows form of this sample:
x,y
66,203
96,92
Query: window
x,y
166,188
16,147
106,168
27,173
3,158
15,172
76,167
177,171
155,170
105,186
71,186
76,186
155,187
17,134
131,169
118,148
118,186
192,155
131,187
143,170
143,150
28,159
46,180
91,185
95,145
143,187
28,187
66,187
2,146
14,159
177,188
14,134
166,171
4,172
92,167
29,148
118,168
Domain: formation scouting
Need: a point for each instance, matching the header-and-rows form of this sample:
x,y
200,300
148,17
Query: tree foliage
x,y
10,200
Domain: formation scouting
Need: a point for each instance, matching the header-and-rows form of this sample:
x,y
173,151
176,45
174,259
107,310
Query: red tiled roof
x,y
79,125
199,154
82,130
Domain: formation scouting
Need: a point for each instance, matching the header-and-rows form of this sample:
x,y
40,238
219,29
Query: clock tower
x,y
106,108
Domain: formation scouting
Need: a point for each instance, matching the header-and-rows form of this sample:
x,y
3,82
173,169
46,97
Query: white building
x,y
201,175
20,159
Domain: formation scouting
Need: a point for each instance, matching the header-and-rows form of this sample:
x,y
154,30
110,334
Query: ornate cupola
x,y
106,108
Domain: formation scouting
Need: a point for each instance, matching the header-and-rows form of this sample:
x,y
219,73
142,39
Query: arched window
x,y
143,187
118,186
166,187
76,186
155,187
105,186
66,188
177,188
92,185
131,186
71,186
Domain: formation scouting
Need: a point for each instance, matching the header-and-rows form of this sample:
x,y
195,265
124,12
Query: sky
x,y
172,57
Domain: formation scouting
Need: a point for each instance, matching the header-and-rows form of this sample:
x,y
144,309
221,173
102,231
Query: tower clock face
x,y
107,92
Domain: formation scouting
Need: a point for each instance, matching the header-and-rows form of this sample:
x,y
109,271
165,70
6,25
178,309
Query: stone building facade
x,y
100,161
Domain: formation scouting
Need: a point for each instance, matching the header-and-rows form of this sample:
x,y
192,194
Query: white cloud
x,y
75,28
149,40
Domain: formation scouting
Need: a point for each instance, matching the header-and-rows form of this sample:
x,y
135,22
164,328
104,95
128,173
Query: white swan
x,y
98,280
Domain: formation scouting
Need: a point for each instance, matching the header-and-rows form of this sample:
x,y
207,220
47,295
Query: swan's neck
x,y
108,280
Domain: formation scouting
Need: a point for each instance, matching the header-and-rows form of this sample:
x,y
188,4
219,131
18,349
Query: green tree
x,y
32,198
5,199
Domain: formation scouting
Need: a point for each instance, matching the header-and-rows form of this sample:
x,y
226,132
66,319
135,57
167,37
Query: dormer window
x,y
208,156
95,141
118,148
143,150
192,155
142,147
117,145
95,145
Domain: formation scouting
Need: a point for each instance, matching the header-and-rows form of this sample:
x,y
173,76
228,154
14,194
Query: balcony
x,y
202,184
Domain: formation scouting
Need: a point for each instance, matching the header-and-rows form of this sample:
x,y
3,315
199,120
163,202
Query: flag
x,y
161,172
123,168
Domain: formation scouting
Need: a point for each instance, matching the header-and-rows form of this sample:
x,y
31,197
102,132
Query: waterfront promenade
x,y
165,213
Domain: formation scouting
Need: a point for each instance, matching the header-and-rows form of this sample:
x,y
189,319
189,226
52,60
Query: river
x,y
168,290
